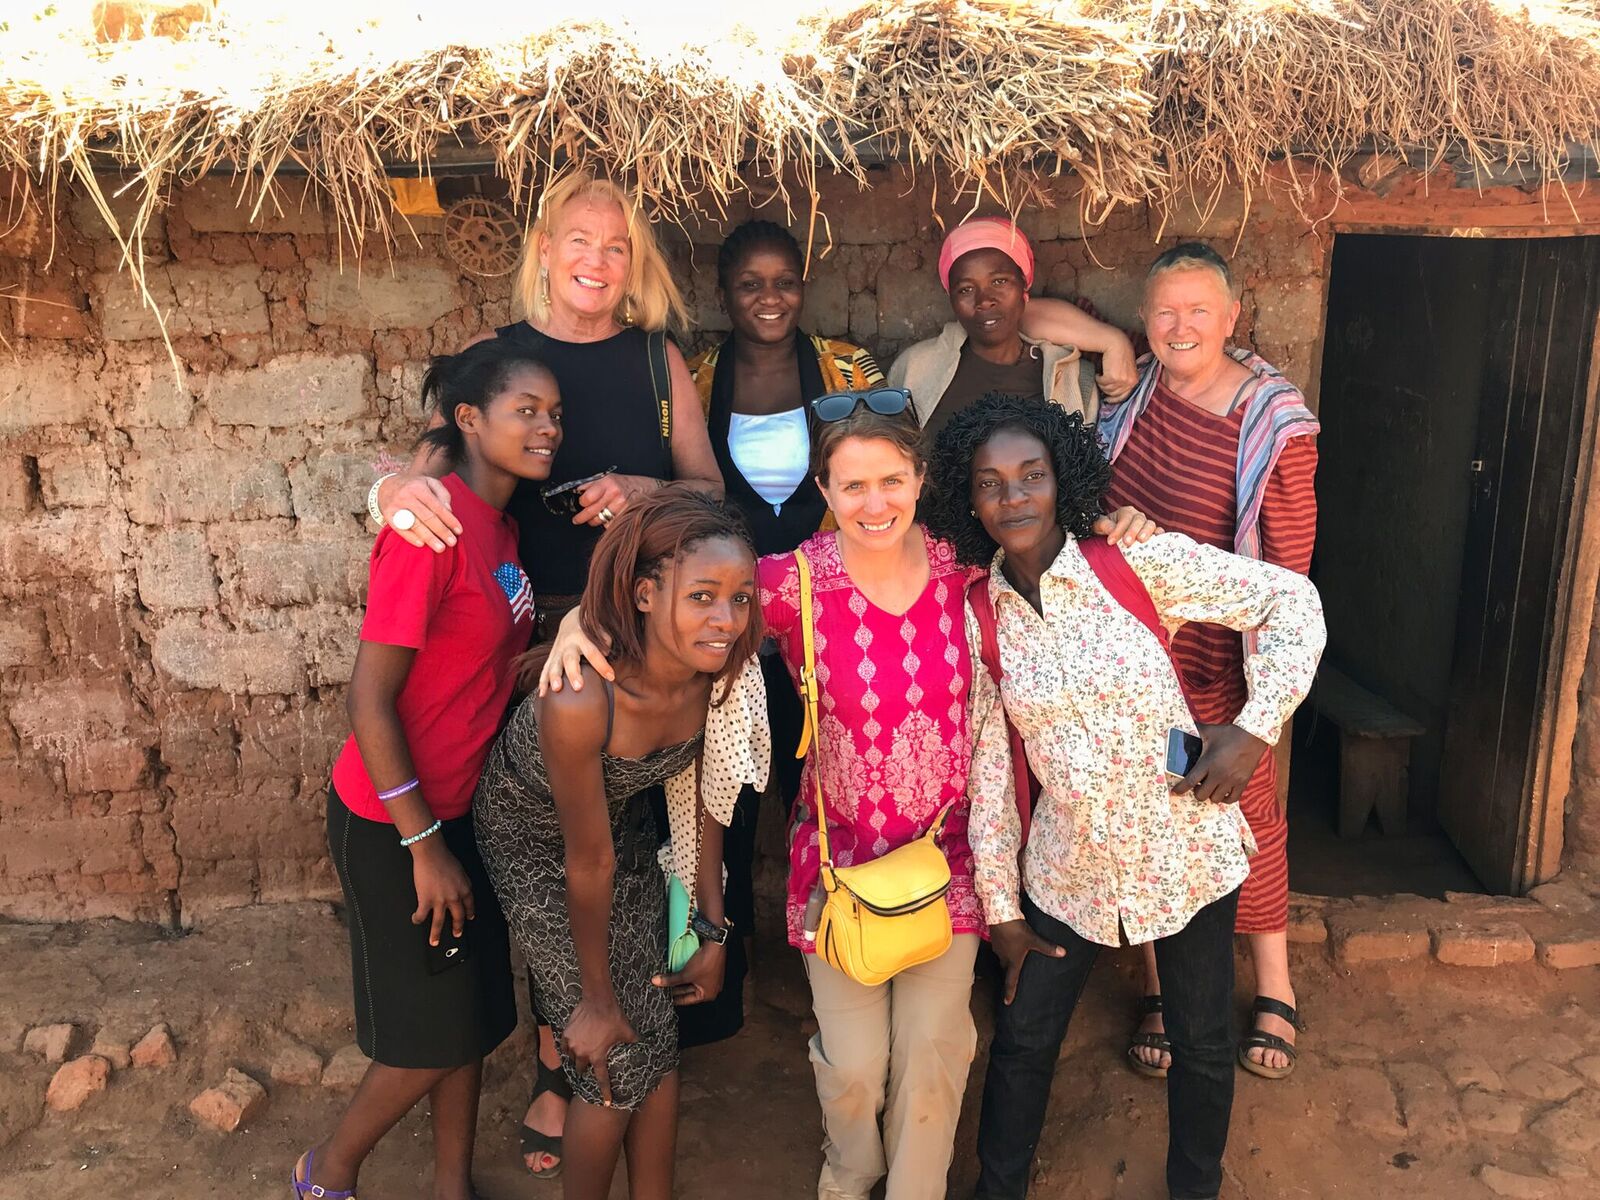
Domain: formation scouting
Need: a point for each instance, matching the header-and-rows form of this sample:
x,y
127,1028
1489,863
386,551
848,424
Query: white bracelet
x,y
428,832
373,510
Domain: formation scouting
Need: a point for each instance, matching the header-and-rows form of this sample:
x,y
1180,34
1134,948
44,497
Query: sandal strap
x,y
549,1079
1155,1041
1276,1008
304,1187
1149,1006
536,1142
1257,1040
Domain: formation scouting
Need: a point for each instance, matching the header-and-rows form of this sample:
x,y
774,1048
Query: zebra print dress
x,y
519,836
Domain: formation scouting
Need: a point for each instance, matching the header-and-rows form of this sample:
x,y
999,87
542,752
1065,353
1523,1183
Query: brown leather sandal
x,y
1258,1039
1148,1006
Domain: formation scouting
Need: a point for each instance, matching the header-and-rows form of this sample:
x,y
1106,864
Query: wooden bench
x,y
1374,752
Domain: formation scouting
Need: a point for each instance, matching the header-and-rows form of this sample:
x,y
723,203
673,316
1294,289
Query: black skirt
x,y
406,1014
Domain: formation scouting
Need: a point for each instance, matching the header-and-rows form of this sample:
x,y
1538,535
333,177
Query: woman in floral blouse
x,y
1116,853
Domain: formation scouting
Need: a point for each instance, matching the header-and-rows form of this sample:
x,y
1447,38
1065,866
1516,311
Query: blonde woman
x,y
599,297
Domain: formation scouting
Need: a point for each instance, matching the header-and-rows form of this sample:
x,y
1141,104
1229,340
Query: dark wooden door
x,y
1536,368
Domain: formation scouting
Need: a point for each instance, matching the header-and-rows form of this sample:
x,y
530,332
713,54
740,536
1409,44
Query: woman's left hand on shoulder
x,y
701,977
1226,763
1126,527
1119,373
607,496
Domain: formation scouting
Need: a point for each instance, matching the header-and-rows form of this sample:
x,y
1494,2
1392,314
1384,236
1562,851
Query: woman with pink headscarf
x,y
987,267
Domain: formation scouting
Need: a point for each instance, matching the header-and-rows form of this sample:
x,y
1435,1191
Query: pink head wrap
x,y
987,233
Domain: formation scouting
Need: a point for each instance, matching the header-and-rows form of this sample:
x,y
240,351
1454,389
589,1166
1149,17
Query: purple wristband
x,y
392,793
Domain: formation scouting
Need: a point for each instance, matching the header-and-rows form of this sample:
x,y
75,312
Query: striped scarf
x,y
1274,412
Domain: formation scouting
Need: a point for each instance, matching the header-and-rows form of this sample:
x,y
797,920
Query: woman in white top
x,y
1117,852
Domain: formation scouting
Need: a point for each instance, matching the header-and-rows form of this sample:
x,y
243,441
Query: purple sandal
x,y
307,1188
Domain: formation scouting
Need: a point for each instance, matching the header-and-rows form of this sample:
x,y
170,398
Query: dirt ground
x,y
1408,1072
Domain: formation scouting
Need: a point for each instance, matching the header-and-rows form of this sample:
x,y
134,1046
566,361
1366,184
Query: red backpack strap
x,y
1026,786
1127,589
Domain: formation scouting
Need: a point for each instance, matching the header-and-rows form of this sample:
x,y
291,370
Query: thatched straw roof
x,y
1137,98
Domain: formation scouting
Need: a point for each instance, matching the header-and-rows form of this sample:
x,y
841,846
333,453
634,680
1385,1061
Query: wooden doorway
x,y
1456,404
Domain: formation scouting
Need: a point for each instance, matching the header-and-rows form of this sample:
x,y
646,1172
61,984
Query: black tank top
x,y
609,420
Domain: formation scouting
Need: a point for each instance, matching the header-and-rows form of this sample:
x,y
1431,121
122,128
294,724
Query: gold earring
x,y
627,311
544,286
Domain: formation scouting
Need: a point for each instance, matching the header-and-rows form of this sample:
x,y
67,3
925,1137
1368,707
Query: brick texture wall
x,y
182,561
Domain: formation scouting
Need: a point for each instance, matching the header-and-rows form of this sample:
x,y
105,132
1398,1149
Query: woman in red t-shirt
x,y
429,953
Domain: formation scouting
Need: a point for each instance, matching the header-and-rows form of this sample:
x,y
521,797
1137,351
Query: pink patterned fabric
x,y
896,741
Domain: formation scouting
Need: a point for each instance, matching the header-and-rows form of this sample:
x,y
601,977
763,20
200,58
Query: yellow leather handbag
x,y
878,917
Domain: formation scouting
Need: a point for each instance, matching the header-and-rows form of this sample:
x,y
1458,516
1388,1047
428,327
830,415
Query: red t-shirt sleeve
x,y
405,584
1289,507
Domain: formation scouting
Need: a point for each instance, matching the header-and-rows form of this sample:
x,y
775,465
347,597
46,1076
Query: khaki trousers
x,y
898,1052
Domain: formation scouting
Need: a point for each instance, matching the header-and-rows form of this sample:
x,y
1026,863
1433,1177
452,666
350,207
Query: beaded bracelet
x,y
417,837
410,786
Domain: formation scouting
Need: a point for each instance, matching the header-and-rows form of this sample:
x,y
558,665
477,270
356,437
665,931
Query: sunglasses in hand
x,y
562,498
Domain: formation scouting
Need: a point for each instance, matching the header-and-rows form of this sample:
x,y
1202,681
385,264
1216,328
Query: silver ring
x,y
606,514
403,519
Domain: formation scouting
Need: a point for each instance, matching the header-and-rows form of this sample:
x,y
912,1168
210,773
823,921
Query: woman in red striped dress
x,y
1216,444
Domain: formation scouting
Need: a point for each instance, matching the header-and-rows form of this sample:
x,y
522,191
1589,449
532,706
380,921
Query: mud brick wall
x,y
182,559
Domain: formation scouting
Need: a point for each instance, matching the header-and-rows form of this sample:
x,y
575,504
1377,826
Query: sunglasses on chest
x,y
885,401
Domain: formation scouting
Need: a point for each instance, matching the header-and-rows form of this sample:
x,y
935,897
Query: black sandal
x,y
1257,1039
1148,1006
547,1079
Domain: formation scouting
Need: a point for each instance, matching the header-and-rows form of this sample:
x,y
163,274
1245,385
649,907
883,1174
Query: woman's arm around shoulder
x,y
1065,324
418,490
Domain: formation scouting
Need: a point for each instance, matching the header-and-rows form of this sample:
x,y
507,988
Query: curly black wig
x,y
1082,473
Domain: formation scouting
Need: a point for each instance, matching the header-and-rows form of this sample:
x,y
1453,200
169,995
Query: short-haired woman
x,y
571,845
1115,851
429,955
1217,444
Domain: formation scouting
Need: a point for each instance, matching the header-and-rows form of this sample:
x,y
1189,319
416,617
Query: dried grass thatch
x,y
1137,98
1239,84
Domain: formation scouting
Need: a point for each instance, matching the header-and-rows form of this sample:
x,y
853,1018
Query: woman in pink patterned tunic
x,y
894,744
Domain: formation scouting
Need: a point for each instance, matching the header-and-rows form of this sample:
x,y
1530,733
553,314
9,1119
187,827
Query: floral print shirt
x,y
1093,694
894,743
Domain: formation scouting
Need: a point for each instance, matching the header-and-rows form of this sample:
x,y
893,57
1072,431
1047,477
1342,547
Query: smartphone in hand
x,y
450,952
1183,751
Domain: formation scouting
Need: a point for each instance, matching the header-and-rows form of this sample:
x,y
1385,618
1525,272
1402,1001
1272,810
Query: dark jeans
x,y
1196,966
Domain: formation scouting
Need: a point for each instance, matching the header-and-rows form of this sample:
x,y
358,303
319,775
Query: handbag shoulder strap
x,y
1127,589
811,731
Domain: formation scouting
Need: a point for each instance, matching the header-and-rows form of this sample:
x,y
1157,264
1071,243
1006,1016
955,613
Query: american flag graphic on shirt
x,y
514,583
